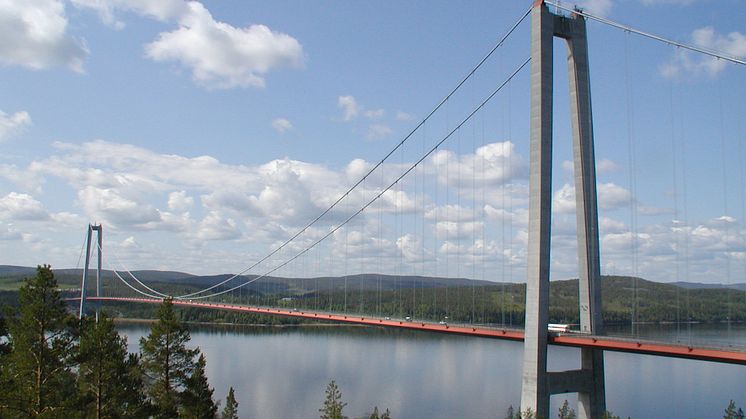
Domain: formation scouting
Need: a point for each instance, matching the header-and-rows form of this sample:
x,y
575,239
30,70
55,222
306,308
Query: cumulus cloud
x,y
20,206
281,125
219,55
163,10
689,63
180,201
14,124
33,34
491,164
610,197
217,227
349,106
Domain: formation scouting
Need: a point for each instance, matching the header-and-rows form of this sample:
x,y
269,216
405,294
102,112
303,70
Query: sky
x,y
202,135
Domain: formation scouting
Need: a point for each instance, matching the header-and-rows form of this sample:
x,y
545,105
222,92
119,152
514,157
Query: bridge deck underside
x,y
575,340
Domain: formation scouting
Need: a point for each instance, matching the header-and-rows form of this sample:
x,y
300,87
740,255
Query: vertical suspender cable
x,y
632,185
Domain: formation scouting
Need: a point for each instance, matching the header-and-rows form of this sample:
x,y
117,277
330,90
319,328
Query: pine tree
x,y
166,361
732,412
106,386
196,399
42,337
565,412
376,415
333,404
231,406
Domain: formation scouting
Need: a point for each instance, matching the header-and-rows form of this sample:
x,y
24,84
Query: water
x,y
283,372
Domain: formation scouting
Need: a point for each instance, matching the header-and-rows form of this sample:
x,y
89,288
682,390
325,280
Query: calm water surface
x,y
283,372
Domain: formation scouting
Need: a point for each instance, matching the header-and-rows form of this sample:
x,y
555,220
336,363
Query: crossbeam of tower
x,y
588,381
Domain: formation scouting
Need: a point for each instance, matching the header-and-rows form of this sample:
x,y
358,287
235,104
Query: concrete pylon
x,y
99,238
588,382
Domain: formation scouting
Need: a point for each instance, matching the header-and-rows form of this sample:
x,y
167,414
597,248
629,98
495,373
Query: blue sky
x,y
203,134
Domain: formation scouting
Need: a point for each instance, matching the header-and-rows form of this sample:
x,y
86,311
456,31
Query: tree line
x,y
53,365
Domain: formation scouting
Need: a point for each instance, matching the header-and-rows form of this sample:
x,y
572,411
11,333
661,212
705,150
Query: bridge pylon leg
x,y
83,292
538,383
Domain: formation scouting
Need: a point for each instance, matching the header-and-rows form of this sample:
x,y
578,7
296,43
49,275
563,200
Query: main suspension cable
x,y
377,165
702,50
377,196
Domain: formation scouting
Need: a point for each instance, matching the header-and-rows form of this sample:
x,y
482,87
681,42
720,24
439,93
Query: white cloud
x,y
11,125
378,131
217,227
222,56
281,125
610,197
163,10
180,201
20,206
691,63
349,105
33,34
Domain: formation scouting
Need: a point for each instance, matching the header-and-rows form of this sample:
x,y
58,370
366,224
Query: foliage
x,y
166,361
565,412
333,404
733,412
231,406
42,337
196,399
107,386
375,415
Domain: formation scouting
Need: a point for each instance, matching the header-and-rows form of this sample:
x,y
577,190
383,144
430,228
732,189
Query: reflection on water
x,y
282,373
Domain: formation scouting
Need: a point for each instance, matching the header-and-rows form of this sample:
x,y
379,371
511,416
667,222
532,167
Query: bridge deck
x,y
731,356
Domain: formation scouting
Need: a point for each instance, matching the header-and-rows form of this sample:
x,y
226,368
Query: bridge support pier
x,y
538,383
99,233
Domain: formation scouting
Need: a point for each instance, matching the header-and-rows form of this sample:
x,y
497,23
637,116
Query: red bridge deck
x,y
580,341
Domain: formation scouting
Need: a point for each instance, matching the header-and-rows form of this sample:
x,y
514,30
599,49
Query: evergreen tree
x,y
166,361
510,413
565,412
42,337
231,406
6,385
196,399
333,404
732,412
376,415
106,386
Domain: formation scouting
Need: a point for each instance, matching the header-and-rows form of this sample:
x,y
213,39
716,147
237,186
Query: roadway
x,y
713,354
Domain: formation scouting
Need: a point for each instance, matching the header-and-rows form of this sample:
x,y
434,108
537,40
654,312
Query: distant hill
x,y
699,285
365,282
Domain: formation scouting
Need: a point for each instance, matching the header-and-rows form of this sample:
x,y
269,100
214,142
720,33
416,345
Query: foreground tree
x,y
166,361
231,406
565,412
196,399
732,412
333,404
42,337
108,381
376,415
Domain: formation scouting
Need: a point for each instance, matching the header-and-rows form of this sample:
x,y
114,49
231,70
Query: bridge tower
x,y
588,381
99,235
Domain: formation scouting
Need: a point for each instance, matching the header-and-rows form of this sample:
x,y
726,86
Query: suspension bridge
x,y
429,204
